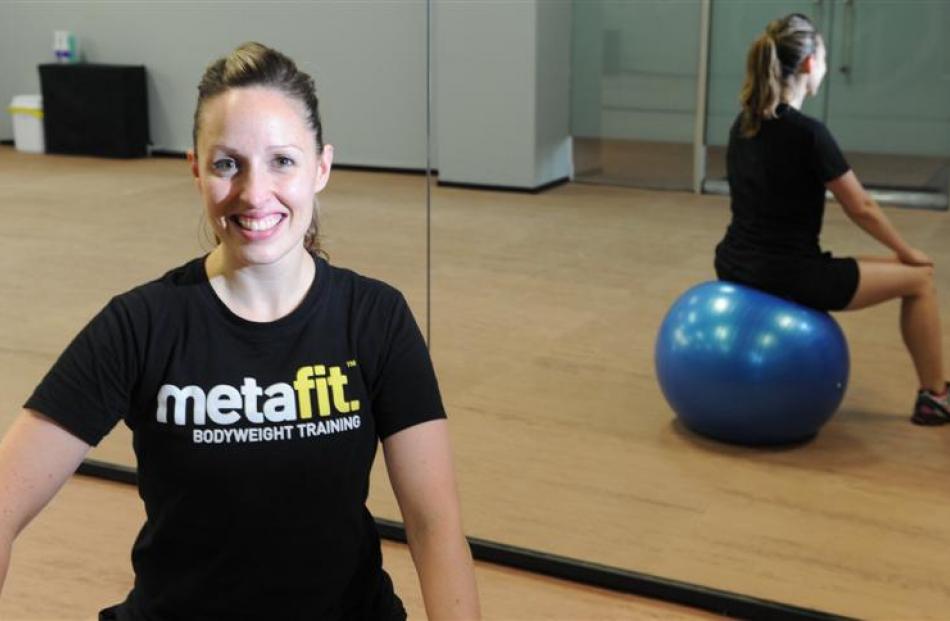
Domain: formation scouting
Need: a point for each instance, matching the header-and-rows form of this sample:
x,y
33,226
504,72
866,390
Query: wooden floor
x,y
544,312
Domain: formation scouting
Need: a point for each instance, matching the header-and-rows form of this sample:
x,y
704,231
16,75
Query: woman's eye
x,y
224,165
283,161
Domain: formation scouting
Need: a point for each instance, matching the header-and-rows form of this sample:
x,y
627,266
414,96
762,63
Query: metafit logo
x,y
305,406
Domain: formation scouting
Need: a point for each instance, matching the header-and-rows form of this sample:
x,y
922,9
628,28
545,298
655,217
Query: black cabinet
x,y
93,109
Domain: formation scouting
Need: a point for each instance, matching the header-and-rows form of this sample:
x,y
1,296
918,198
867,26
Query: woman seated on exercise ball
x,y
779,164
258,381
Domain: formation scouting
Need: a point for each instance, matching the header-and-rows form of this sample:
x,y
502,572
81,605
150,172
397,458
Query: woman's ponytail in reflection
x,y
773,59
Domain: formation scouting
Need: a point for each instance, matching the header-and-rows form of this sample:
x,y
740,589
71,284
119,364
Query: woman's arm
x,y
37,456
419,461
867,214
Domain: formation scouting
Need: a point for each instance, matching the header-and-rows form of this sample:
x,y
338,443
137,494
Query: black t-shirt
x,y
777,183
254,441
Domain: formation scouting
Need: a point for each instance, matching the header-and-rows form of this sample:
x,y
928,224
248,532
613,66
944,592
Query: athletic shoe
x,y
930,409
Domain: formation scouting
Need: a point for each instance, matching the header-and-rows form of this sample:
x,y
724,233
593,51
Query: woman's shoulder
x,y
362,295
804,121
358,283
157,292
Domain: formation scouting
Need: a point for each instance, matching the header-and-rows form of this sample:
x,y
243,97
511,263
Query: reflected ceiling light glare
x,y
680,337
720,305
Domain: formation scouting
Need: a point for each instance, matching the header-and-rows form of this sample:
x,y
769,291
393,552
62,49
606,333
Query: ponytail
x,y
762,90
772,60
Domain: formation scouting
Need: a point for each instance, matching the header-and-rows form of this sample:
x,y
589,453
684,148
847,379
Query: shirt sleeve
x,y
830,162
87,391
406,391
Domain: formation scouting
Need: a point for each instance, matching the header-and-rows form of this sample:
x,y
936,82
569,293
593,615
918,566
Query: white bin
x,y
27,112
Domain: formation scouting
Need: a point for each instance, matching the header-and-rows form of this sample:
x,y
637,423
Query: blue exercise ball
x,y
746,367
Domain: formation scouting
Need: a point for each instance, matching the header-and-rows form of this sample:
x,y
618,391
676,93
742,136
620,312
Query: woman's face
x,y
258,170
818,69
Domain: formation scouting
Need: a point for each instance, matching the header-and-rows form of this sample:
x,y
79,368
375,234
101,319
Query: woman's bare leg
x,y
883,279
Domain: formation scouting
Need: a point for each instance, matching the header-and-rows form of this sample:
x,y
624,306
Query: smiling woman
x,y
257,381
259,161
258,167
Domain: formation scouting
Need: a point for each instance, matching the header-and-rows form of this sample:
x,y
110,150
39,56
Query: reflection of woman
x,y
780,162
256,381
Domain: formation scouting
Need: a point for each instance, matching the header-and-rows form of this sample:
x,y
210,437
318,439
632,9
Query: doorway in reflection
x,y
633,92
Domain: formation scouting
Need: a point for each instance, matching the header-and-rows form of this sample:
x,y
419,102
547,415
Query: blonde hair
x,y
255,64
773,59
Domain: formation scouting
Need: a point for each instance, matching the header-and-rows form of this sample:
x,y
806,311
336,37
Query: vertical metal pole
x,y
829,38
429,173
702,79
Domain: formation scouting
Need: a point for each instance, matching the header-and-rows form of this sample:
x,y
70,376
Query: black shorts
x,y
114,613
824,282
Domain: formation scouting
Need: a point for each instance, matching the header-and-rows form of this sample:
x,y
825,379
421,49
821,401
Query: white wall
x,y
553,154
502,86
367,57
501,80
484,85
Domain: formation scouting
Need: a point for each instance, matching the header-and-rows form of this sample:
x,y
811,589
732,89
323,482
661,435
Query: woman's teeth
x,y
259,224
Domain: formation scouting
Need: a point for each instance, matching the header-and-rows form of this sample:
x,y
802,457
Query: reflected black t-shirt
x,y
777,185
254,441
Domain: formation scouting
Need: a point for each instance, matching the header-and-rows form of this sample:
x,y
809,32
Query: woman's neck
x,y
795,97
261,293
